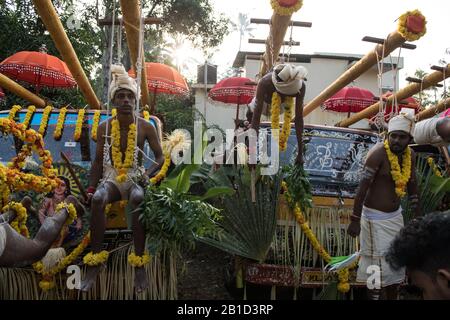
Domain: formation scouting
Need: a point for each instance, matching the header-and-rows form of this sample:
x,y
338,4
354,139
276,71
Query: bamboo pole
x,y
131,19
408,91
17,89
431,112
393,41
54,26
280,21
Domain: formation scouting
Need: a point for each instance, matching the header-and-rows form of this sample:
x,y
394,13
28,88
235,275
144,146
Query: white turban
x,y
403,122
291,78
121,80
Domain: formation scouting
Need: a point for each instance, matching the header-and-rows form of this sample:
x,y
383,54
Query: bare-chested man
x,y
104,187
287,81
377,214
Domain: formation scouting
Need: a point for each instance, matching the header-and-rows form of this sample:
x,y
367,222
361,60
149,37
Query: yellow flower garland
x,y
285,11
19,222
434,167
343,274
117,154
60,124
95,123
44,121
13,111
121,204
163,172
275,117
79,125
138,261
400,176
70,209
403,29
46,284
28,116
95,259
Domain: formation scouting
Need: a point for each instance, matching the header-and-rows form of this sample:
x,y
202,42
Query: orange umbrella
x,y
39,69
162,78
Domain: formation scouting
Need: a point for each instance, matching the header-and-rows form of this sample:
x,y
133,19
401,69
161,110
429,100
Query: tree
x,y
243,27
432,95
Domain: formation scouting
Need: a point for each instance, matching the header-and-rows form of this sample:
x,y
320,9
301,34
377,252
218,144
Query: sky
x,y
339,26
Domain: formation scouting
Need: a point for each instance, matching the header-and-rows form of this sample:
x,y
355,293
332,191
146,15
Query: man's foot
x,y
140,280
90,278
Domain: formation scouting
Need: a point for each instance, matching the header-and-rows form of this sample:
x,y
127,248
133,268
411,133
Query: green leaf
x,y
214,192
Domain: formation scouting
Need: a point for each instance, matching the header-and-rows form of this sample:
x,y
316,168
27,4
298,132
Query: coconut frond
x,y
248,228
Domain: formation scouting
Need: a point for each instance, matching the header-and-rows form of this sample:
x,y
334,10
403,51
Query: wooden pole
x,y
393,41
132,22
408,91
54,26
278,29
413,28
431,112
17,89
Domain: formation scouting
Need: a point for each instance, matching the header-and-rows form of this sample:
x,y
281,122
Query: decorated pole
x,y
431,112
54,26
132,21
281,19
411,27
408,91
17,89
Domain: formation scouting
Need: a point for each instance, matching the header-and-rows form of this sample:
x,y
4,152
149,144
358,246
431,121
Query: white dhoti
x,y
2,238
110,174
425,133
378,230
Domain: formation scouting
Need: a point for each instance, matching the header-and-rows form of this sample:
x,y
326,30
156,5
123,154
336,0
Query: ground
x,y
204,274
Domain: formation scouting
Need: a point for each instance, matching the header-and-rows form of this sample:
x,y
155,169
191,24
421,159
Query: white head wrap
x,y
403,122
291,78
121,80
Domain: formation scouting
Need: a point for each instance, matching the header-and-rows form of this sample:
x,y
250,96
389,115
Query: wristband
x,y
355,218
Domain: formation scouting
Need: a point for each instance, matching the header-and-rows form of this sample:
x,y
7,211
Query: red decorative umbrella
x,y
234,90
162,78
349,99
39,69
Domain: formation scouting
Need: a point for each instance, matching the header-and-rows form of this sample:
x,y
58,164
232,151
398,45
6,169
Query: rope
x,y
107,146
395,70
379,118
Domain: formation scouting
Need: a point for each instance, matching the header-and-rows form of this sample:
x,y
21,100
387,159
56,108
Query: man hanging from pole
x,y
276,90
116,173
389,173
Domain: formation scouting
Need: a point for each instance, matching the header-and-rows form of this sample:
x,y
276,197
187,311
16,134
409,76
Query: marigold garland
x,y
47,284
19,222
57,134
79,125
95,123
28,116
70,209
163,172
44,121
13,176
434,167
121,204
400,176
95,259
127,164
138,261
343,274
403,28
13,111
285,10
275,117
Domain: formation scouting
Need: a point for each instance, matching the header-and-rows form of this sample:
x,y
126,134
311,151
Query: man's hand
x,y
87,202
354,229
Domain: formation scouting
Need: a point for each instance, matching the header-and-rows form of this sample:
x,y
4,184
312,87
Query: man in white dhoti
x,y
434,131
389,173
